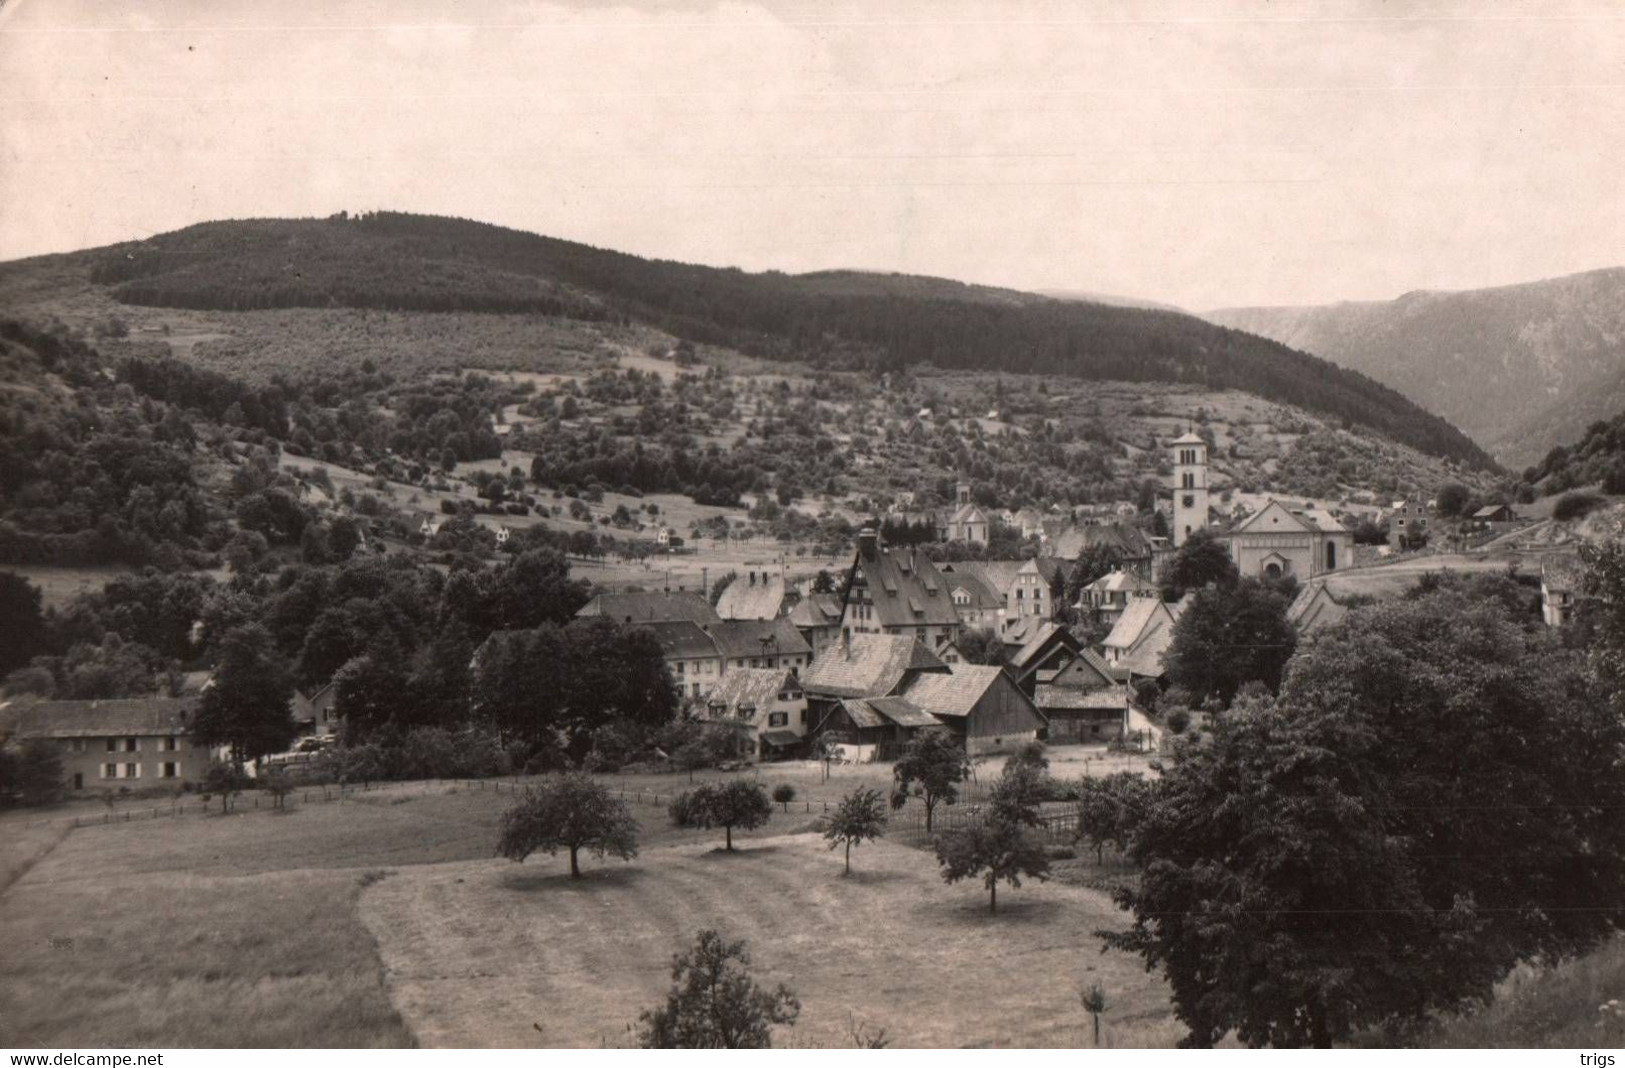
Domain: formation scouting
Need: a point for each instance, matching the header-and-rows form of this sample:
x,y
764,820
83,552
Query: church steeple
x,y
1190,486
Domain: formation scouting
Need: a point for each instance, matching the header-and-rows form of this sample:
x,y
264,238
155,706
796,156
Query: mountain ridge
x,y
1519,367
847,319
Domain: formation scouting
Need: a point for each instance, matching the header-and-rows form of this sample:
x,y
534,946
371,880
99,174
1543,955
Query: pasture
x,y
298,928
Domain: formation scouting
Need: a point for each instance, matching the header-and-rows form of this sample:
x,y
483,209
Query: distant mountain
x,y
841,318
1520,368
1090,297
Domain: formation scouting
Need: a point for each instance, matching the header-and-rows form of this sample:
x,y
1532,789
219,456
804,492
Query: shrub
x,y
1575,506
784,793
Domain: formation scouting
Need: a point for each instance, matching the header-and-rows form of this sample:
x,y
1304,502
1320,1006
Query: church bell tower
x,y
1190,487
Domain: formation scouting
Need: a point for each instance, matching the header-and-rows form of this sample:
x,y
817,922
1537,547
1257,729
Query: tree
x,y
1110,808
1094,1003
1432,799
1201,561
715,1004
998,850
735,803
859,817
1229,636
784,793
981,645
570,812
21,621
248,707
225,781
1020,789
1451,499
931,768
31,773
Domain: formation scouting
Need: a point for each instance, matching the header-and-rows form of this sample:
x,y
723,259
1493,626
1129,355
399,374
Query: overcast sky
x,y
1199,153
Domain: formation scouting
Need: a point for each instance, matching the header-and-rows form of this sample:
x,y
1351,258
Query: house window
x,y
171,770
803,717
168,745
112,745
78,745
132,771
109,771
778,719
132,745
679,667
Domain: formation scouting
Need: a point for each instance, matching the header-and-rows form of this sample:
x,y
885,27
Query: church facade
x,y
1277,541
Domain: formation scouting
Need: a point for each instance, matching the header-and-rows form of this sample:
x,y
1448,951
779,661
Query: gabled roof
x,y
1276,517
1142,634
1086,671
905,586
1313,608
646,607
956,693
968,513
816,610
997,575
981,595
749,689
1489,510
745,599
681,639
1189,437
1126,538
1120,581
870,712
1046,638
92,719
1052,698
738,638
868,665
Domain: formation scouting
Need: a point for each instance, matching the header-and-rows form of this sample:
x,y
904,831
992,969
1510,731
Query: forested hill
x,y
425,263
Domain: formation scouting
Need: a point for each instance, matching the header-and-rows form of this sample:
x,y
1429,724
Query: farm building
x,y
866,665
1140,637
1314,608
1050,647
128,743
1074,715
771,643
980,704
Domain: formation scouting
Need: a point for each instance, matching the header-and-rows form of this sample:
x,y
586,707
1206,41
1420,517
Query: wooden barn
x,y
980,704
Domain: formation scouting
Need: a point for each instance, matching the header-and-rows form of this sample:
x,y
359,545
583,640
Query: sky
x,y
1203,153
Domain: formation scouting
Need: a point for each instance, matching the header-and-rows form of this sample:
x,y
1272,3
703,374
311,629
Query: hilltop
x,y
1520,368
851,320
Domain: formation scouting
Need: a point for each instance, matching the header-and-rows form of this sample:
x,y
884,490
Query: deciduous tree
x,y
931,768
715,1004
570,812
735,803
997,850
859,817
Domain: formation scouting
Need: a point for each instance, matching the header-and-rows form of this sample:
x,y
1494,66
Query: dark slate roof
x,y
869,665
1043,639
906,587
953,694
109,718
1086,671
681,640
737,638
656,607
903,712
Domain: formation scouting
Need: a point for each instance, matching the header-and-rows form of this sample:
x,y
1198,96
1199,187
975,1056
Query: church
x,y
1273,542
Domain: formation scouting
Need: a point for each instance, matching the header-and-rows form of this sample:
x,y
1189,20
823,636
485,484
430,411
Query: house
x,y
664,536
1105,598
755,595
114,744
1047,650
1132,545
1562,578
981,704
974,600
429,527
1408,524
864,665
695,661
1084,701
503,534
997,577
898,592
1314,608
1139,639
760,643
1030,521
314,713
817,616
650,607
968,522
1033,596
1277,541
1084,716
1489,515
766,705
